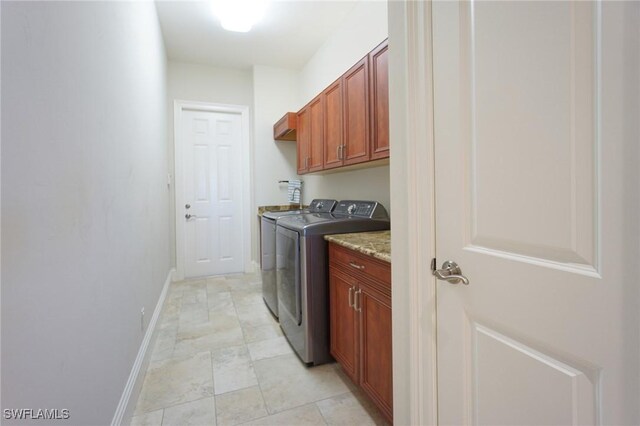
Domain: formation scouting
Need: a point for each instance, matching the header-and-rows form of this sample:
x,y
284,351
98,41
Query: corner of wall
x,y
126,406
275,92
364,27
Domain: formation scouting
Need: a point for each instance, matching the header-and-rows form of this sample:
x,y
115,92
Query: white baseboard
x,y
253,267
134,383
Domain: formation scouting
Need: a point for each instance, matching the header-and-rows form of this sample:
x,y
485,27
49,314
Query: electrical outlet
x,y
142,319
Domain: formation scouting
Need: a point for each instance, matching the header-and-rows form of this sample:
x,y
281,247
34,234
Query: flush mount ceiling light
x,y
239,15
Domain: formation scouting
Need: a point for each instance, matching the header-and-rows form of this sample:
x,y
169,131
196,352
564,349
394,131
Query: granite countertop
x,y
280,208
376,243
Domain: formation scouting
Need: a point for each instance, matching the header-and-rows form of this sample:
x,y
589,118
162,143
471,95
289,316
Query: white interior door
x,y
531,204
212,193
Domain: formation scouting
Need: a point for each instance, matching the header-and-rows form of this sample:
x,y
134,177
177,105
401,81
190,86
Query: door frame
x,y
245,151
412,167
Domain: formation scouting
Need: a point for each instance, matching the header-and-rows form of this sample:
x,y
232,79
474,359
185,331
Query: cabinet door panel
x,y
375,353
343,323
333,125
356,113
303,140
379,94
316,139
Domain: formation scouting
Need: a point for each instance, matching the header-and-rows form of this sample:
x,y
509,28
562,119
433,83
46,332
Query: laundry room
x,y
317,212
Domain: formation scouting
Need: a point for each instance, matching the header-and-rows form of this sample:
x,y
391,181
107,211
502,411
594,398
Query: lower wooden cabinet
x,y
360,316
375,347
344,322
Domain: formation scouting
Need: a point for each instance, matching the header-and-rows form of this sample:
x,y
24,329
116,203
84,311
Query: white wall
x,y
275,91
203,83
362,30
85,225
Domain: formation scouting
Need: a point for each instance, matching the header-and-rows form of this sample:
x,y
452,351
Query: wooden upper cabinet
x,y
333,125
316,138
356,113
310,136
379,98
285,128
303,139
348,123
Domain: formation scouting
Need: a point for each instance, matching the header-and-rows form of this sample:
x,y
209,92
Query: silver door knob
x,y
451,272
189,216
187,206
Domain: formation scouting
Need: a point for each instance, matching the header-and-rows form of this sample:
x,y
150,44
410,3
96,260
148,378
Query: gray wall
x,y
85,226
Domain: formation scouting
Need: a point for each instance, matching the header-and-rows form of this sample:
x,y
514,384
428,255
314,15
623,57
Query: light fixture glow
x,y
239,15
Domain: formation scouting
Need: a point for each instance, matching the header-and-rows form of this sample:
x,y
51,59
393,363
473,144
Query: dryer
x,y
268,247
302,275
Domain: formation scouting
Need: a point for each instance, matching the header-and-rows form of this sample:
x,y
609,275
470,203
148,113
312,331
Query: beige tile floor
x,y
219,358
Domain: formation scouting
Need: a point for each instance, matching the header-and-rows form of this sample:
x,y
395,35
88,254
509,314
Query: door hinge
x,y
433,264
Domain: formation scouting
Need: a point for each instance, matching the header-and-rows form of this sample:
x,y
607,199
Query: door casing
x,y
245,173
412,203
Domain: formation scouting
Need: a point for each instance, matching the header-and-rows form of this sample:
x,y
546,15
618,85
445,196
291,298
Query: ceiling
x,y
288,36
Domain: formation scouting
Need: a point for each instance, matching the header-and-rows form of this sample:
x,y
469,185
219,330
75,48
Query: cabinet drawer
x,y
361,264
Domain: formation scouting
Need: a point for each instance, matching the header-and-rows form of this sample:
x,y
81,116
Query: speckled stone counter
x,y
376,244
281,208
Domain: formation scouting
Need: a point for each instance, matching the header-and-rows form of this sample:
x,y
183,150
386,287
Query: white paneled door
x,y
212,192
530,204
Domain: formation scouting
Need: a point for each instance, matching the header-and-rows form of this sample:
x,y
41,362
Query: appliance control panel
x,y
370,209
322,206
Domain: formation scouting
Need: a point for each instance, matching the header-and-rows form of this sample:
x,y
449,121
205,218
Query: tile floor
x,y
219,358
